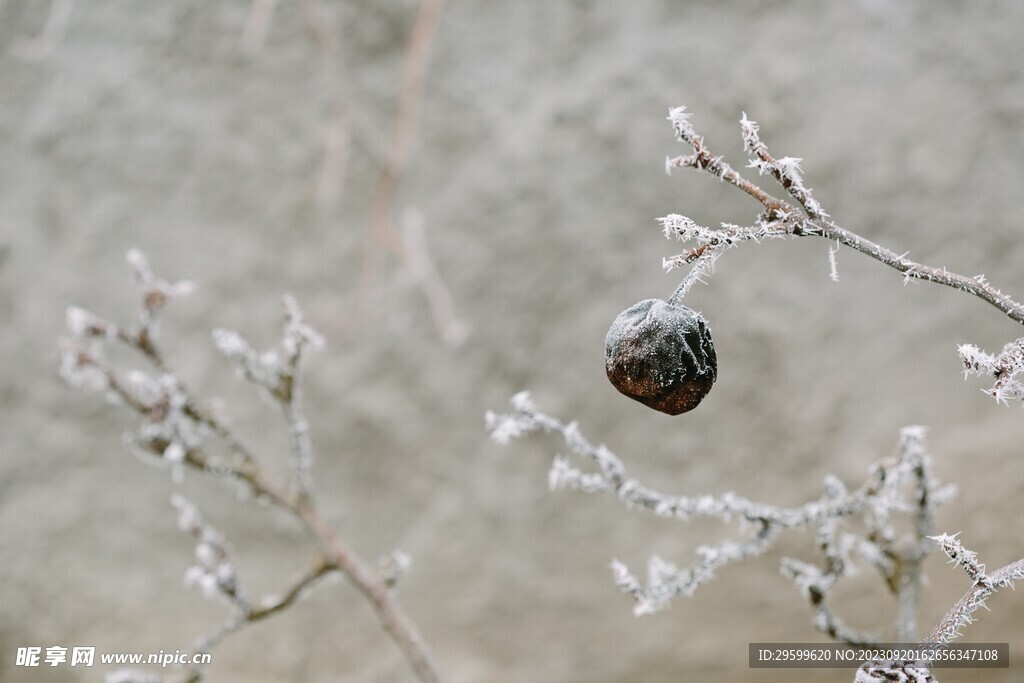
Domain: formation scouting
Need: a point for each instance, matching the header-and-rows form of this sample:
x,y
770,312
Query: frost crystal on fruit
x,y
661,354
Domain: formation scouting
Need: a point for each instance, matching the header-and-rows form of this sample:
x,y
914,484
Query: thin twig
x,y
453,329
392,617
382,230
267,607
950,626
196,672
336,134
917,271
414,69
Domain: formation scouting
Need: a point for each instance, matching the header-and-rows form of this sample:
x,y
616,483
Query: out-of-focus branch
x,y
336,133
382,204
268,606
414,73
907,574
392,617
382,230
453,329
177,430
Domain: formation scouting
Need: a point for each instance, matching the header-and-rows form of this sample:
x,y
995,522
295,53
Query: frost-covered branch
x,y
647,360
268,606
897,485
214,571
804,216
814,221
1004,366
179,431
786,170
951,626
277,372
215,574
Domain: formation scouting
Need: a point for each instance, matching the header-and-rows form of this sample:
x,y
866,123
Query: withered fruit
x,y
661,354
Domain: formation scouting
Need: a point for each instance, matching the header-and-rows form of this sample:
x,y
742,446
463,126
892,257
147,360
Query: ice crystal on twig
x,y
1004,366
155,294
79,366
393,567
958,554
214,571
984,585
680,120
82,323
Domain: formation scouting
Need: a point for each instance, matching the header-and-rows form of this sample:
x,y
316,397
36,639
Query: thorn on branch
x,y
966,559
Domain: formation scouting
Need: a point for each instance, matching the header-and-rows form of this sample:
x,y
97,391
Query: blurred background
x,y
463,196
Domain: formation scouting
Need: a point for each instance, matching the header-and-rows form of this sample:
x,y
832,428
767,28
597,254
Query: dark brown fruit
x,y
661,354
